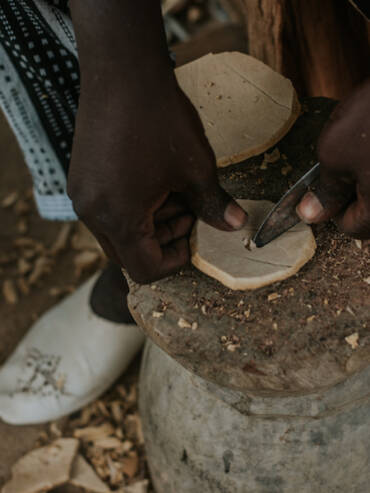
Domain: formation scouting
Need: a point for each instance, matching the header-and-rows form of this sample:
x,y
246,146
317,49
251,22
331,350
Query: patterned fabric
x,y
39,91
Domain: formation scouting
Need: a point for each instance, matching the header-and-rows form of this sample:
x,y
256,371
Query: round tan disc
x,y
245,106
223,255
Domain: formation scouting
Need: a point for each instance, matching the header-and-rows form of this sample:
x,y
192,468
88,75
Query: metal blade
x,y
283,216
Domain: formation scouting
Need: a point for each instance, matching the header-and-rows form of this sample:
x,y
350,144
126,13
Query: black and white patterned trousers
x,y
39,90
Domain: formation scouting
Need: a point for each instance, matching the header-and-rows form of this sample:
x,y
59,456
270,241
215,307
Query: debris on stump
x,y
352,340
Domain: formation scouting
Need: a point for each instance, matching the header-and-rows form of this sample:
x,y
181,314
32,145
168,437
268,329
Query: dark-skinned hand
x,y
140,174
344,152
142,168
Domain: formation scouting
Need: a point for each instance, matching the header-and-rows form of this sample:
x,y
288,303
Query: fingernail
x,y
310,208
235,216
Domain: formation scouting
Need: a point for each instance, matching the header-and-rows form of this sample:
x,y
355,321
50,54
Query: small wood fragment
x,y
41,267
130,464
44,468
22,226
10,292
83,239
108,443
139,487
9,200
184,324
352,340
23,286
84,261
61,240
91,433
83,476
270,158
22,207
23,266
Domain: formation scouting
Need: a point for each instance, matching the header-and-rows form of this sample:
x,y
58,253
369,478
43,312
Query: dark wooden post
x,y
322,45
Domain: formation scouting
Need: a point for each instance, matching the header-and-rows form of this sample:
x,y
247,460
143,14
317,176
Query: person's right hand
x,y
141,170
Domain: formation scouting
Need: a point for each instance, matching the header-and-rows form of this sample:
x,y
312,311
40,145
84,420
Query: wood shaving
x,y
83,240
23,266
9,200
157,314
273,296
83,476
108,443
22,207
84,261
92,433
10,292
184,324
23,286
249,244
139,487
130,464
367,280
285,170
270,158
44,468
61,240
352,340
22,226
41,267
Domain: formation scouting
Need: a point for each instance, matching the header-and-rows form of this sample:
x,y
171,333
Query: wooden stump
x,y
322,46
274,396
261,391
289,337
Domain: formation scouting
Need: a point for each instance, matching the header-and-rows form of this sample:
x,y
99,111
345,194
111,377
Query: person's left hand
x,y
344,153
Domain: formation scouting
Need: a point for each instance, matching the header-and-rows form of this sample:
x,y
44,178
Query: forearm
x,y
120,40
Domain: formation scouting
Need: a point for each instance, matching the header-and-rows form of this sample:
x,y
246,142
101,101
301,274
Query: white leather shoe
x,y
67,359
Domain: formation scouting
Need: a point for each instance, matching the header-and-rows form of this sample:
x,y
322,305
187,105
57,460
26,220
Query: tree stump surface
x,y
288,338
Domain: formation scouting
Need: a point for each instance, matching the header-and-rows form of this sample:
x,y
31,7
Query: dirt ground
x,y
17,315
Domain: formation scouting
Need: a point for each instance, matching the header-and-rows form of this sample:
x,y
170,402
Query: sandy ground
x,y
17,318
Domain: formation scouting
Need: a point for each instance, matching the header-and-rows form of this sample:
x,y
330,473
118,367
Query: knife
x,y
283,215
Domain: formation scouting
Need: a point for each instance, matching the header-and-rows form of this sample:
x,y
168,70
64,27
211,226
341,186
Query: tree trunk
x,y
322,45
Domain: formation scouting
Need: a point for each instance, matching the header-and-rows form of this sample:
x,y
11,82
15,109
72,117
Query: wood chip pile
x,y
97,450
29,261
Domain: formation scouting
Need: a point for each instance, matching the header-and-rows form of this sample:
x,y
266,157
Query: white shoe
x,y
66,360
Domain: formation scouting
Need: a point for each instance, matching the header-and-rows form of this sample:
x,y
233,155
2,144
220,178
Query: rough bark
x,y
322,46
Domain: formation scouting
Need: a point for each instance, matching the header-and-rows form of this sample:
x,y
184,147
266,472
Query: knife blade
x,y
283,215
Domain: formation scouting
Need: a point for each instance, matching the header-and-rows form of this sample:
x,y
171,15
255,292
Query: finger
x,y
175,228
332,194
146,261
215,206
173,207
106,245
108,249
355,220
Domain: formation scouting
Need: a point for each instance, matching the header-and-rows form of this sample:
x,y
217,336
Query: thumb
x,y
332,194
216,207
